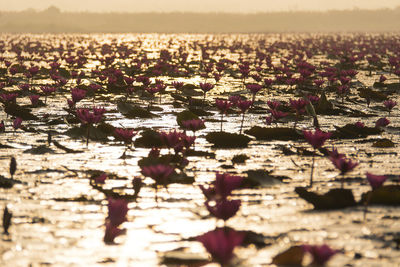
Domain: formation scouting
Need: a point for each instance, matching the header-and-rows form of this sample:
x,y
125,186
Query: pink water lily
x,y
223,209
222,187
17,123
316,139
220,243
117,211
375,181
321,254
159,173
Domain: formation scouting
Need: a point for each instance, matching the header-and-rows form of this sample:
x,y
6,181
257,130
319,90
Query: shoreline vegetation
x,y
52,20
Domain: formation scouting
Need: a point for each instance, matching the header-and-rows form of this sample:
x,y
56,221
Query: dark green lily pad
x,y
149,139
40,150
385,195
293,256
8,182
18,111
240,158
278,133
227,140
99,133
199,112
133,111
199,153
333,199
383,143
185,116
261,178
183,258
350,131
368,93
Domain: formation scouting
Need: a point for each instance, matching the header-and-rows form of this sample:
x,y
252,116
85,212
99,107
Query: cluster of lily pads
x,y
96,78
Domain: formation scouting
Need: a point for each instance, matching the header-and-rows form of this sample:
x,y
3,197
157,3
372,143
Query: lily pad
x,y
133,111
227,140
350,131
293,256
383,143
40,150
183,258
333,199
18,111
368,93
385,195
8,182
261,178
278,133
185,116
149,139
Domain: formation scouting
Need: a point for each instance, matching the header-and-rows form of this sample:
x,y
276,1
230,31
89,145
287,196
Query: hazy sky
x,y
195,5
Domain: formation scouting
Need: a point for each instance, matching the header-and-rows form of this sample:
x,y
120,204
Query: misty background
x,y
186,16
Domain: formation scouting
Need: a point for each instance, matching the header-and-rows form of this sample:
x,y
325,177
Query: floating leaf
x,y
183,258
278,133
133,111
334,199
384,195
368,93
240,158
149,139
261,178
350,131
40,150
7,182
18,111
185,116
227,140
383,143
292,256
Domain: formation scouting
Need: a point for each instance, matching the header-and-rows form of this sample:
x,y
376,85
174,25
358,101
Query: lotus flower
x,y
389,104
321,254
159,173
17,123
220,243
375,181
125,135
316,139
382,122
243,105
222,187
223,106
117,211
77,94
205,87
344,165
223,209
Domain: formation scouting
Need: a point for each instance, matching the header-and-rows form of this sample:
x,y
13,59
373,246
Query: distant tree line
x,y
52,20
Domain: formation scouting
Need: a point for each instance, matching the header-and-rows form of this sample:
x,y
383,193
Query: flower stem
x,y
222,117
312,168
241,124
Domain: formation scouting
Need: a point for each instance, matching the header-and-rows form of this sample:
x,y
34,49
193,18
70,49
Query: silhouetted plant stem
x,y
366,203
312,168
88,134
222,117
241,124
